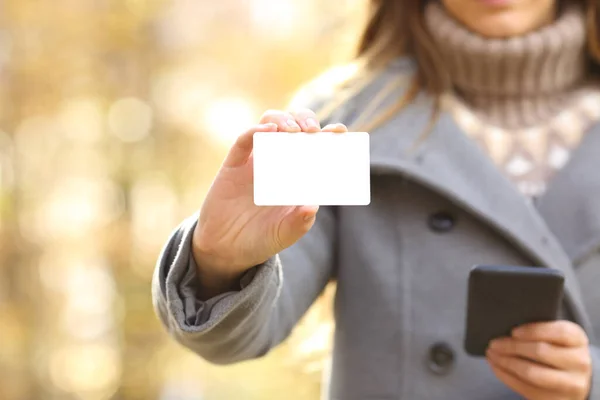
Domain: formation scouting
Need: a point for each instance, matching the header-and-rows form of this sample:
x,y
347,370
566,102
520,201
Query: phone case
x,y
501,298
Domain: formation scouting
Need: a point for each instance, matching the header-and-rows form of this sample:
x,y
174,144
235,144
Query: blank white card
x,y
324,168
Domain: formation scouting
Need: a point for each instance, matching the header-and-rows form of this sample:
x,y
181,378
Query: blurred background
x,y
114,117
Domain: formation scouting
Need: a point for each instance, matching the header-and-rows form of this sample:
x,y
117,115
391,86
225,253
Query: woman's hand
x,y
233,234
544,361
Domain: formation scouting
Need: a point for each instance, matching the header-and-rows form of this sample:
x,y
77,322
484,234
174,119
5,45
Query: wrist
x,y
215,274
215,280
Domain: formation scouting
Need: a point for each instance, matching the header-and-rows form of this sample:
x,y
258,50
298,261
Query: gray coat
x,y
401,263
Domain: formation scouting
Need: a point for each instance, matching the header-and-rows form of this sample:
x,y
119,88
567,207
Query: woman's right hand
x,y
233,234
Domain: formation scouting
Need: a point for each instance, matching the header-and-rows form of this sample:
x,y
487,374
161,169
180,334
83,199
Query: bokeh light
x,y
130,119
227,118
114,118
79,369
82,119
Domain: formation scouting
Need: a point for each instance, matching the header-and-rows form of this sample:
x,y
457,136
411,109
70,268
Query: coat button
x,y
441,222
441,358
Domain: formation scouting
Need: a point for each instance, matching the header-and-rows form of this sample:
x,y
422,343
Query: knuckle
x,y
564,331
573,333
585,361
540,350
530,374
580,333
576,386
585,341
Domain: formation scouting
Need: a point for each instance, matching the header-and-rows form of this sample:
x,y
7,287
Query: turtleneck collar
x,y
518,81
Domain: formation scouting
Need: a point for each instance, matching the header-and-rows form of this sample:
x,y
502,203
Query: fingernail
x,y
309,217
340,128
312,123
292,124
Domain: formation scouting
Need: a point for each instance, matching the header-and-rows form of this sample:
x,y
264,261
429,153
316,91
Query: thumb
x,y
296,224
242,148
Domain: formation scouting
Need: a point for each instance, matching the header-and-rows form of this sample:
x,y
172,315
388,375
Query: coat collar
x,y
448,162
575,191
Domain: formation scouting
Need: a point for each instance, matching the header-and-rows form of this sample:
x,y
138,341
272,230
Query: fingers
x,y
307,120
336,128
285,121
303,120
551,356
565,358
295,224
241,150
517,385
560,333
308,213
532,377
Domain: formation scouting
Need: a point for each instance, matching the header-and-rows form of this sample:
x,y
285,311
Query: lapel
x,y
450,163
575,191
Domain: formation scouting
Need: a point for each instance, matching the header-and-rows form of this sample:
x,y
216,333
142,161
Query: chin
x,y
500,26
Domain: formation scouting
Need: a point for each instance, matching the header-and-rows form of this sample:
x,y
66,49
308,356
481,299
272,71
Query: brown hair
x,y
397,28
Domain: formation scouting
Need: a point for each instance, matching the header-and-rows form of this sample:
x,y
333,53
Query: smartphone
x,y
500,298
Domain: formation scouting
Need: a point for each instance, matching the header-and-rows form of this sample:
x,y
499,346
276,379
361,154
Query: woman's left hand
x,y
549,361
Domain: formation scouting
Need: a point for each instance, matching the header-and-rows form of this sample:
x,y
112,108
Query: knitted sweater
x,y
526,100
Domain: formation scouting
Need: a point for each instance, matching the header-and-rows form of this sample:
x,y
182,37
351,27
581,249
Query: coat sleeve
x,y
246,323
272,297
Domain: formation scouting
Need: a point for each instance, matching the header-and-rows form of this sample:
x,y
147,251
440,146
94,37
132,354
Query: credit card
x,y
324,168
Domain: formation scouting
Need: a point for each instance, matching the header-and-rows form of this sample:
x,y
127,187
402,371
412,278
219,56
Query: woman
x,y
484,128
